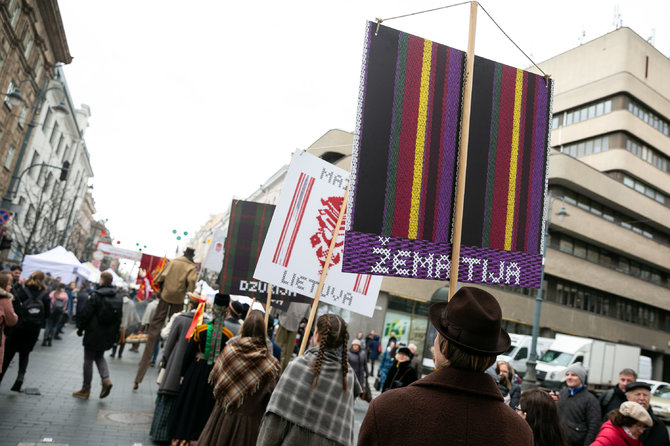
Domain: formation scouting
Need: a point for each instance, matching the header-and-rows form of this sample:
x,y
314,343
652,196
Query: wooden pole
x,y
463,152
267,306
315,302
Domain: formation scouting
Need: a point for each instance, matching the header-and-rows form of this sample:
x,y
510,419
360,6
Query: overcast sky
x,y
194,103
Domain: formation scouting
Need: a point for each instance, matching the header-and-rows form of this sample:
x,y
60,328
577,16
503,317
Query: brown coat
x,y
448,406
7,318
177,278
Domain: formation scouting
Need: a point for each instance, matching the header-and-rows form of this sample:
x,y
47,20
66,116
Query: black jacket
x,y
611,400
656,435
580,416
98,336
399,371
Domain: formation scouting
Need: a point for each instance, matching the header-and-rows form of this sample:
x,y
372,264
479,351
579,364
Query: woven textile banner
x,y
405,160
247,228
299,237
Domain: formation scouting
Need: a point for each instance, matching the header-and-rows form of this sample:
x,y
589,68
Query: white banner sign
x,y
214,260
297,241
118,252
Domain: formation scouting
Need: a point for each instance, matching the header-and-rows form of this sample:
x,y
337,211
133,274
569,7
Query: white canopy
x,y
59,262
95,272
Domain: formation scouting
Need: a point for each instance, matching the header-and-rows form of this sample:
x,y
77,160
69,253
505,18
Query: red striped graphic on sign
x,y
362,283
293,220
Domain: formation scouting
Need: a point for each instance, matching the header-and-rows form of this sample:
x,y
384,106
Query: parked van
x,y
519,351
603,360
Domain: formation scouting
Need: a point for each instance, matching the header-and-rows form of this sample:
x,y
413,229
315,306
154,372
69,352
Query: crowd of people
x,y
227,377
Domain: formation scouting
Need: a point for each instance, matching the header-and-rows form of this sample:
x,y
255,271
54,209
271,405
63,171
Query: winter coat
x,y
448,406
358,362
657,434
611,400
24,338
99,336
176,279
611,435
174,351
580,416
373,348
515,396
399,371
8,318
384,365
130,316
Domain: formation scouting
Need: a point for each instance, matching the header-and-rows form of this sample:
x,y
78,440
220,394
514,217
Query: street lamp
x,y
16,98
530,379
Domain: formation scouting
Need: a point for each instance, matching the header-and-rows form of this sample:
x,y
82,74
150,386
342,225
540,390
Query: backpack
x,y
32,310
59,305
110,311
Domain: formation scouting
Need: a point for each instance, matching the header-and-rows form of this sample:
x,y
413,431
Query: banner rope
x,y
546,76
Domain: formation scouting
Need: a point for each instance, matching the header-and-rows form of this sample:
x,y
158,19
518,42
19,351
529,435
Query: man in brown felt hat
x,y
459,403
176,279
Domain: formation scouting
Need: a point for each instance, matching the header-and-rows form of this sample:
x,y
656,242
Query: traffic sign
x,y
4,216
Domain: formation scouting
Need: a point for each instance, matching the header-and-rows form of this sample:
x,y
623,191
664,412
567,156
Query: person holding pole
x,y
313,402
289,322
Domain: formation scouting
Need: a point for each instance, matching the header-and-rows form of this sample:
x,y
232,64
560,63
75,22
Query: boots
x,y
81,394
17,385
44,343
106,388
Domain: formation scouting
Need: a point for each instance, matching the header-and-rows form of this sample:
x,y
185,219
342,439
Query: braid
x,y
322,346
345,361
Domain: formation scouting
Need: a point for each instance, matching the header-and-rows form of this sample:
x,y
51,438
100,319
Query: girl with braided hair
x,y
313,403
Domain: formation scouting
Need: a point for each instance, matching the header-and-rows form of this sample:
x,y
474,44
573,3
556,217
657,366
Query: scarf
x,y
325,410
242,368
213,342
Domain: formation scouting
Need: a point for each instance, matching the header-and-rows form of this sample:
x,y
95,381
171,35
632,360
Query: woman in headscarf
x,y
195,399
313,403
401,373
244,376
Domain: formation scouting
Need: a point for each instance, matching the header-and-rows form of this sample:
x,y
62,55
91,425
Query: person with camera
x,y
401,373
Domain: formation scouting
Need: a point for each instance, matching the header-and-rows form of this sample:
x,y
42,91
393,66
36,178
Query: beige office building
x,y
607,273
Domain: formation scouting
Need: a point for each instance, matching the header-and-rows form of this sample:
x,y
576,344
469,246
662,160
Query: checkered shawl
x,y
242,368
325,410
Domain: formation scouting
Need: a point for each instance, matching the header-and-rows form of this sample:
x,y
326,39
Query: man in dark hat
x,y
235,314
458,403
657,434
176,279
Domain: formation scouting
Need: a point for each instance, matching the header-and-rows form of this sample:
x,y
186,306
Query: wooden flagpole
x,y
463,152
326,265
267,305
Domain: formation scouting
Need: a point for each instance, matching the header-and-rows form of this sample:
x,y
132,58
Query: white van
x,y
519,351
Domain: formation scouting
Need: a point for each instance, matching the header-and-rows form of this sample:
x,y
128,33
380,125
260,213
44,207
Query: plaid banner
x,y
405,161
248,225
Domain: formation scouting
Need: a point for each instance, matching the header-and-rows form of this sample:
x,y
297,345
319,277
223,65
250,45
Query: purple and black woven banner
x,y
249,223
405,159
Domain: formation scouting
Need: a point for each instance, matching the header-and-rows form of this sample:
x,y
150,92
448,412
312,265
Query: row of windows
x,y
601,256
610,215
580,297
617,140
607,105
646,190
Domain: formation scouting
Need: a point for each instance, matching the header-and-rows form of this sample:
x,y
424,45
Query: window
x,y
10,157
565,245
35,160
14,10
10,88
54,134
22,116
579,249
27,44
47,119
61,141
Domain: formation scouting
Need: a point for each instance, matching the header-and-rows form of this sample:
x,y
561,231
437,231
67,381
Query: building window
x,y
10,157
35,160
10,88
27,44
61,141
14,11
47,119
54,134
22,116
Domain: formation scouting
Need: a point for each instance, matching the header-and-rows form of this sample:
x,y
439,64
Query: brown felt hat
x,y
472,320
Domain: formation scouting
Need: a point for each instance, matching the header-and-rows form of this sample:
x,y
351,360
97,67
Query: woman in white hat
x,y
624,426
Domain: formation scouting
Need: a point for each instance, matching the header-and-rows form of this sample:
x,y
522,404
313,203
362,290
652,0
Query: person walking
x,y
386,362
243,377
624,427
358,362
289,323
578,408
401,373
129,319
504,368
539,411
176,279
374,349
58,309
8,317
459,402
313,403
31,304
99,323
195,399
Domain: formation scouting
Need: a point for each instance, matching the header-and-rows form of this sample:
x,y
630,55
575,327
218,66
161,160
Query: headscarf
x,y
214,333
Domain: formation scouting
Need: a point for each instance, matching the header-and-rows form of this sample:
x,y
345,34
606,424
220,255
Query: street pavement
x,y
55,418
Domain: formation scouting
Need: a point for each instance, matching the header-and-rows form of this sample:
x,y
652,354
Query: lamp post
x,y
530,379
15,98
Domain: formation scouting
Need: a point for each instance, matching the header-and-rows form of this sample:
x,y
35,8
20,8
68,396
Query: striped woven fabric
x,y
248,225
406,145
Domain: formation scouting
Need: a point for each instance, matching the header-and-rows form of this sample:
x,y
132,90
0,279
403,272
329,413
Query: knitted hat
x,y
635,411
356,342
578,370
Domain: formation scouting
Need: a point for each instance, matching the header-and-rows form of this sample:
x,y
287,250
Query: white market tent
x,y
95,272
59,262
